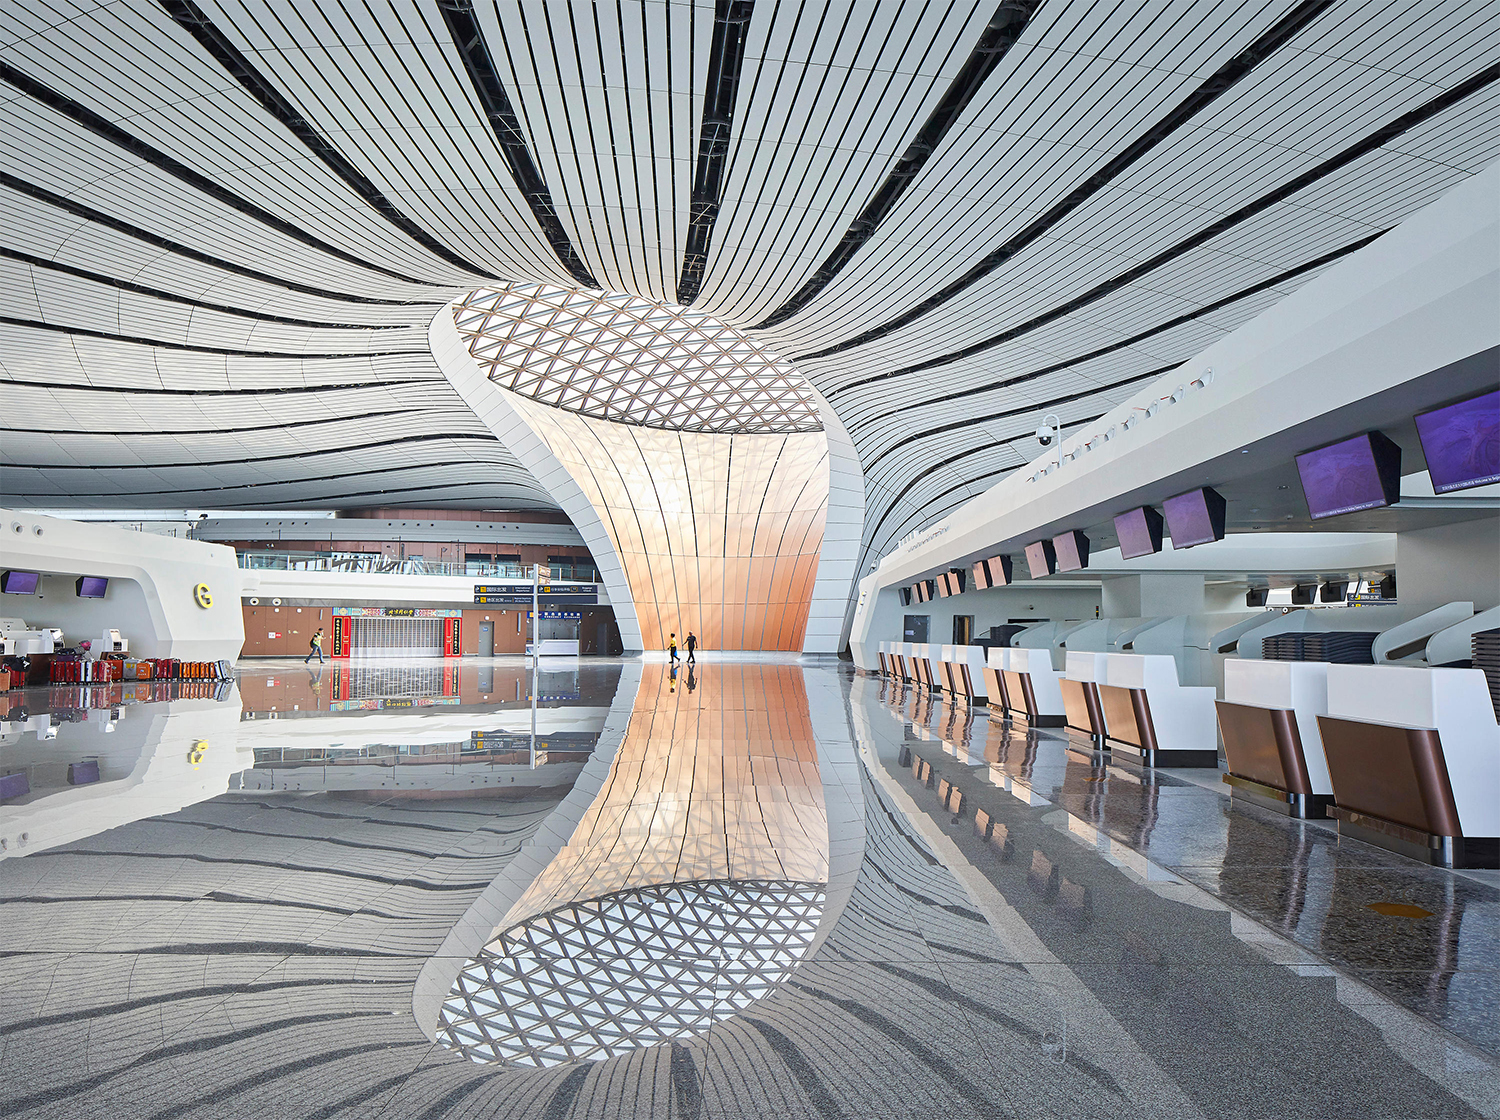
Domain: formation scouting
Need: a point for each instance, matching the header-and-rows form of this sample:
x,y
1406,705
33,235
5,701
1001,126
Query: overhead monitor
x,y
1333,591
1139,531
1363,472
1041,558
1303,594
1001,570
906,596
957,578
1462,443
981,575
1072,549
1388,586
91,587
19,583
1195,518
943,588
1256,596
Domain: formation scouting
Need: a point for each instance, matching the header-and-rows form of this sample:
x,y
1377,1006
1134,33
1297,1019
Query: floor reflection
x,y
690,888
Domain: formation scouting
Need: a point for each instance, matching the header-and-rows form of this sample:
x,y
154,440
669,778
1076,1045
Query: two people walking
x,y
691,644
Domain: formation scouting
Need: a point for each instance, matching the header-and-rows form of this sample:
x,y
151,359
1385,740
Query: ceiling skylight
x,y
631,360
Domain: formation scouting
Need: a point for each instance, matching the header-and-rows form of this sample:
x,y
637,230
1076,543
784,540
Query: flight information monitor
x,y
1195,518
1462,443
1354,474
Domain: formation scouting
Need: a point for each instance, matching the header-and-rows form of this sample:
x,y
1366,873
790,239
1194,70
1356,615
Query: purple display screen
x,y
1462,443
1191,520
1134,530
1041,559
1340,478
1072,551
92,587
19,583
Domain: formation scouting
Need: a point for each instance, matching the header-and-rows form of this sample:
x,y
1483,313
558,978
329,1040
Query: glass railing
x,y
376,564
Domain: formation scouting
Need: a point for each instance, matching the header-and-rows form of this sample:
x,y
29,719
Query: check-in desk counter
x,y
1269,722
1080,695
900,655
1414,758
963,667
883,652
922,654
1150,715
1028,686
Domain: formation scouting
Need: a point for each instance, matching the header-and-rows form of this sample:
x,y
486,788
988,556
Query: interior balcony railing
x,y
375,563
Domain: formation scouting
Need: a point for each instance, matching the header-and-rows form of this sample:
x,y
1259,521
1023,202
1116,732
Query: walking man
x,y
692,647
315,646
672,647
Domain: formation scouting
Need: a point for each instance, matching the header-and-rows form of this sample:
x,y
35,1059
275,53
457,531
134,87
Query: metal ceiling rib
x,y
150,287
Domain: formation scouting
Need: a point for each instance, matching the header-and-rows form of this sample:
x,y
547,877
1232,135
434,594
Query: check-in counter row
x,y
954,669
1131,703
1404,757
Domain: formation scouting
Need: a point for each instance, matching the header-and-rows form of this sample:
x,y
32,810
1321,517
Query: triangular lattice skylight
x,y
632,969
627,359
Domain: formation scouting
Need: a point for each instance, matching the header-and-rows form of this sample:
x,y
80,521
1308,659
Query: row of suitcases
x,y
67,671
85,697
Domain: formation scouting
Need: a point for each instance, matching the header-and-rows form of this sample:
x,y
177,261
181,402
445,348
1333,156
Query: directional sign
x,y
551,594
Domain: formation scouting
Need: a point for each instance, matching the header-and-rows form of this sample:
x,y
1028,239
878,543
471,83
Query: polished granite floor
x,y
758,888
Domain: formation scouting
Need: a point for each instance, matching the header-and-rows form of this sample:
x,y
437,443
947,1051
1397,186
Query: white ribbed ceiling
x,y
225,226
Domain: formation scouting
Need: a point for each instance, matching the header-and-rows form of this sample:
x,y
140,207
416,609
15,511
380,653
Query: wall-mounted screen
x,y
944,588
1072,549
906,596
1139,531
1041,558
92,587
1195,518
1333,591
1462,443
19,583
1303,594
957,580
1257,596
981,575
1353,474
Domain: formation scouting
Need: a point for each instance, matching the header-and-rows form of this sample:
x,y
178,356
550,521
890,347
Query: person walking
x,y
315,646
672,646
692,647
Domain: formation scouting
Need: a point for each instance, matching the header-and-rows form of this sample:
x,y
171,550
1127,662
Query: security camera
x,y
1049,430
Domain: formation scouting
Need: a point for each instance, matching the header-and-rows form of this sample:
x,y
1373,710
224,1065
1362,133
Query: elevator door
x,y
397,637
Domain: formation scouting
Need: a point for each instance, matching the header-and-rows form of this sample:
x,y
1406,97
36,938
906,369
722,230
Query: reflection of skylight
x,y
632,360
632,969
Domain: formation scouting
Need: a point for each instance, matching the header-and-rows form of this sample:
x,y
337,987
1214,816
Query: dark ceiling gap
x,y
119,225
169,433
188,301
726,60
85,332
1000,34
501,115
1380,137
86,118
269,390
1187,317
197,23
1211,89
306,453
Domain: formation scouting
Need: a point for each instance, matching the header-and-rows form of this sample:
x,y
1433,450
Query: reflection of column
x,y
722,535
690,887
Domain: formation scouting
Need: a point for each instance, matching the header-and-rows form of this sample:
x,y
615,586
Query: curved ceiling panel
x,y
223,215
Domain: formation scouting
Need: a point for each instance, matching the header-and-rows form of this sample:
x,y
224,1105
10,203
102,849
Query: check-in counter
x,y
884,654
1269,722
1149,714
1414,759
1080,693
964,669
921,657
1028,686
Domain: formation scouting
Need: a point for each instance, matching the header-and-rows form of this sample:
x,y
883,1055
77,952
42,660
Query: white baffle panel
x,y
396,637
